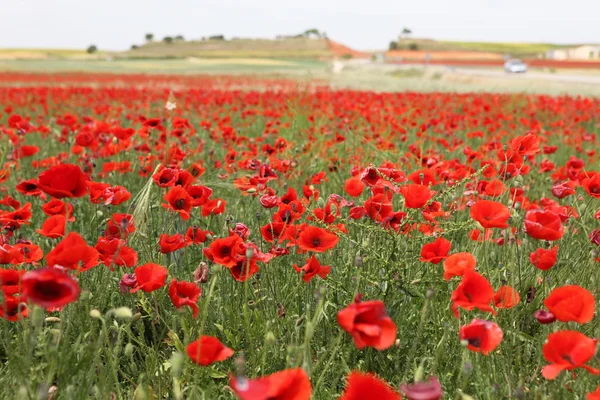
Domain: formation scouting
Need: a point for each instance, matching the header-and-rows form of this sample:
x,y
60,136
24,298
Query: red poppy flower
x,y
495,188
29,188
566,351
171,243
53,227
595,395
289,384
544,317
544,259
458,264
197,235
571,303
213,207
368,324
415,196
49,288
506,297
592,185
26,253
64,180
490,214
430,390
150,277
120,226
317,239
199,194
58,207
166,177
363,386
527,145
185,294
115,195
208,350
563,189
482,336
226,251
379,206
114,251
12,309
543,225
312,268
10,281
73,253
7,254
354,186
474,291
178,200
436,251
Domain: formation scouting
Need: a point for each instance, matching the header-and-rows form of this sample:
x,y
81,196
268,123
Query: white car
x,y
515,66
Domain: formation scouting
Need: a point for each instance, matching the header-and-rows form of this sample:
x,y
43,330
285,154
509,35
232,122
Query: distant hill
x,y
302,48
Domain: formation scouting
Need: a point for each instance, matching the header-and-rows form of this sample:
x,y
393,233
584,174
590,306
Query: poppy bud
x,y
176,361
128,350
270,338
136,317
95,314
358,260
430,390
544,317
201,273
122,313
52,319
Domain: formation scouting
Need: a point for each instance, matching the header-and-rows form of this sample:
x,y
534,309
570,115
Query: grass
x,y
275,320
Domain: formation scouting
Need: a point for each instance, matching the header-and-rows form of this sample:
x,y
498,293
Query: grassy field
x,y
182,245
514,49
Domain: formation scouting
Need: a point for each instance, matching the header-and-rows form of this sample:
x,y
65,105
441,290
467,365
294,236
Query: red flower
x,y
354,186
171,243
49,288
26,253
196,235
226,251
64,180
120,226
592,185
544,259
436,251
185,294
482,336
506,297
363,386
114,251
430,390
317,239
289,384
368,324
563,189
490,214
568,350
208,350
458,264
150,277
53,227
178,200
415,196
10,281
571,303
543,225
166,177
544,317
474,291
58,207
312,268
73,253
595,395
13,309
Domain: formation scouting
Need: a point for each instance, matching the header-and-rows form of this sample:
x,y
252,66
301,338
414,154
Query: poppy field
x,y
189,237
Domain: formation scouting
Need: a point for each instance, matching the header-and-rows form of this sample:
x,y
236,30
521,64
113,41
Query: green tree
x,y
149,37
393,45
92,49
168,39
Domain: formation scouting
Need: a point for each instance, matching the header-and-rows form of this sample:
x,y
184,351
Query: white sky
x,y
361,24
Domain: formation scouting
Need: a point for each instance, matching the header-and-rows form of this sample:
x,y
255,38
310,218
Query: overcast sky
x,y
362,24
